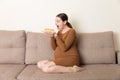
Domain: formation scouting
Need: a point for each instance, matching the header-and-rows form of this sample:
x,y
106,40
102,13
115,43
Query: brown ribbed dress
x,y
65,51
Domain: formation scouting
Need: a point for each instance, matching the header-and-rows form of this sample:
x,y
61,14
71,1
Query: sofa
x,y
21,50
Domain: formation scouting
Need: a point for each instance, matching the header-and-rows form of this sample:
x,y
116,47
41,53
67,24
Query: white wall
x,y
85,15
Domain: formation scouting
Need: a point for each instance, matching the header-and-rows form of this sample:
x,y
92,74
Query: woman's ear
x,y
65,22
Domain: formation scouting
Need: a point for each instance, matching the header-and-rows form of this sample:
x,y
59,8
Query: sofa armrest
x,y
118,56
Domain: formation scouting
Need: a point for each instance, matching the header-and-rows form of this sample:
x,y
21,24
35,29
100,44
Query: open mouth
x,y
57,26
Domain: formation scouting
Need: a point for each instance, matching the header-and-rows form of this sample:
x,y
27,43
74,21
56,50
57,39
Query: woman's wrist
x,y
52,35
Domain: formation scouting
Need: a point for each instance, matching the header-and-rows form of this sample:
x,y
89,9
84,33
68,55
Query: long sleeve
x,y
53,43
65,45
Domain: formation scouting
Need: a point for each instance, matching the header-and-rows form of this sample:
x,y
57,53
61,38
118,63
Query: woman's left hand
x,y
51,34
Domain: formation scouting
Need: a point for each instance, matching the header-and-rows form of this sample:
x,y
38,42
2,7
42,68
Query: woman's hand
x,y
55,34
51,34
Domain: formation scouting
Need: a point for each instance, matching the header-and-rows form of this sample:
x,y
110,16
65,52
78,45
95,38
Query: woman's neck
x,y
65,29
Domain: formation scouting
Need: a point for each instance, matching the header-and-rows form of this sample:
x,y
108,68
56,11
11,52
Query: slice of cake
x,y
49,30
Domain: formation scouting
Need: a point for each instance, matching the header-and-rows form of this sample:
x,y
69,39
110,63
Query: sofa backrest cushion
x,y
12,46
37,47
96,47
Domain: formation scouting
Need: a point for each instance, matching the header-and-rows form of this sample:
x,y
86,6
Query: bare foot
x,y
76,68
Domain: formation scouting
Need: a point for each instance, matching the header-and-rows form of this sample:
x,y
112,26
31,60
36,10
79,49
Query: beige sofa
x,y
20,51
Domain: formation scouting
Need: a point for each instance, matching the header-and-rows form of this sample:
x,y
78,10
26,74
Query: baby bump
x,y
67,61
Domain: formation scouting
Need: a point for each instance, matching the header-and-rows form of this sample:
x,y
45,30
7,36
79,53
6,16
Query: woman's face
x,y
59,23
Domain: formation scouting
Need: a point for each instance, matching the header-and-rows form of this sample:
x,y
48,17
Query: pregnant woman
x,y
64,45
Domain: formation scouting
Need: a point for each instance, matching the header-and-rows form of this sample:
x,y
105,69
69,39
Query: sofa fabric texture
x,y
96,47
10,71
38,48
91,72
12,46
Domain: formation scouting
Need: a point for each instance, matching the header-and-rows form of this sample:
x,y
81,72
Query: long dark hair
x,y
64,17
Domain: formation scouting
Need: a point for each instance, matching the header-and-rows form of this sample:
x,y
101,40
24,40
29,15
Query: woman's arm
x,y
53,43
65,45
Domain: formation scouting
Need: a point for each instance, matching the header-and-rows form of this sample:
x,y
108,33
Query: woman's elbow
x,y
64,49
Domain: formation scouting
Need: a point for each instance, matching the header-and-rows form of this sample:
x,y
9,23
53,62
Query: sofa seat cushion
x,y
10,71
91,72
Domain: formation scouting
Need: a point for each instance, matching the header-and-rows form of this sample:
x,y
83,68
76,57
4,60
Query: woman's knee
x,y
46,66
38,64
49,69
52,63
41,63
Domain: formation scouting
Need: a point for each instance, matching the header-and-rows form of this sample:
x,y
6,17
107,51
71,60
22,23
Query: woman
x,y
64,46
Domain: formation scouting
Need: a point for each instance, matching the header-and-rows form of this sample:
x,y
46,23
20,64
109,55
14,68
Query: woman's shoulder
x,y
72,30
